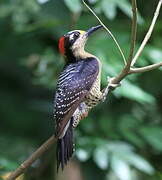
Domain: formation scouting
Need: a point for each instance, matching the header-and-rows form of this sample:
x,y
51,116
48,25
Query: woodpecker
x,y
78,90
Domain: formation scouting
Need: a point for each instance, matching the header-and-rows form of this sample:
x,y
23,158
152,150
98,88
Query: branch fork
x,y
129,67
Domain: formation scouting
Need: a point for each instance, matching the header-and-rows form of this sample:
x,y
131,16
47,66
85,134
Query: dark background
x,y
122,138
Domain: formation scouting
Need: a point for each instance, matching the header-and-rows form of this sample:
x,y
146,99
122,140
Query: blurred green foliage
x,y
122,138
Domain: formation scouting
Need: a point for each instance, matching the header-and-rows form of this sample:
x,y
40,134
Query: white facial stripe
x,y
71,37
72,32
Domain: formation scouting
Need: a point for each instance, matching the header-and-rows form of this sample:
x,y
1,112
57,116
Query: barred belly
x,y
92,99
94,96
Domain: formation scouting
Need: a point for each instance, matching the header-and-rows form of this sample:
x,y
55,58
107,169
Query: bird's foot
x,y
83,115
112,85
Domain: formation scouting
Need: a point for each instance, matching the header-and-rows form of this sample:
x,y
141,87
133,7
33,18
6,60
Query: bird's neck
x,y
77,54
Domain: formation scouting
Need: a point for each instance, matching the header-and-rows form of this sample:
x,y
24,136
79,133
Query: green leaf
x,y
133,92
154,54
139,162
128,125
100,157
133,138
73,5
124,152
120,168
5,10
153,136
42,1
115,146
82,154
7,164
109,8
126,7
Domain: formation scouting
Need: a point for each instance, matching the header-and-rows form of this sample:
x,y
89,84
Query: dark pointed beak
x,y
93,29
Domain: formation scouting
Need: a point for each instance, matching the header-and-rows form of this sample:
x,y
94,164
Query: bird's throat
x,y
76,55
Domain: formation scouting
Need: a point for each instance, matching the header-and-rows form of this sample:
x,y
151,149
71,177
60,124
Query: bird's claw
x,y
111,84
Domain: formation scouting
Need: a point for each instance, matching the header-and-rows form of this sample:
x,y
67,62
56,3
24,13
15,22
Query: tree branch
x,y
145,69
42,149
148,35
127,69
134,30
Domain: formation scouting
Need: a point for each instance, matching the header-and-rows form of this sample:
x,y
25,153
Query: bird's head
x,y
71,45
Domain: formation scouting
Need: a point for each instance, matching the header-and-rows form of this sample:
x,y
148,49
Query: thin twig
x,y
134,31
145,69
127,67
42,149
126,70
148,35
110,33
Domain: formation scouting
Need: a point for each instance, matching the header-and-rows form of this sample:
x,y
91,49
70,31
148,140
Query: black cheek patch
x,y
67,43
68,51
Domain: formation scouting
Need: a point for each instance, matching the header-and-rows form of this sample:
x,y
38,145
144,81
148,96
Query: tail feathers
x,y
65,147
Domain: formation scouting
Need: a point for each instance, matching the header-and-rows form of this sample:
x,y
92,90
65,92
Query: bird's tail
x,y
65,147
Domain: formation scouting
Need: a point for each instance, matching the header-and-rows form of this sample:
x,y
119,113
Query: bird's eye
x,y
76,34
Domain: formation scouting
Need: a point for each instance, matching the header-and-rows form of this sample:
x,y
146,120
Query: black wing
x,y
74,84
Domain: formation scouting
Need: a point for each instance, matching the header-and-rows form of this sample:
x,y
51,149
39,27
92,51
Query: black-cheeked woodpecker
x,y
78,90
